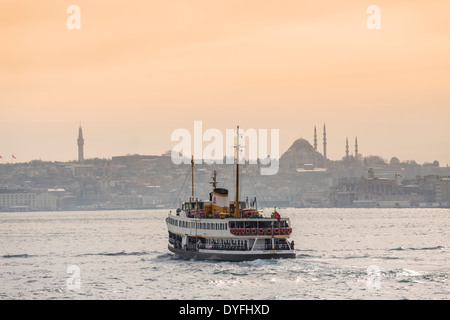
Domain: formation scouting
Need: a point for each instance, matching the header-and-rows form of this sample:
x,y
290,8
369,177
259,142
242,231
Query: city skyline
x,y
346,153
136,71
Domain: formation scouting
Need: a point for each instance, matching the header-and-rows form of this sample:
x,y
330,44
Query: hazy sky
x,y
138,70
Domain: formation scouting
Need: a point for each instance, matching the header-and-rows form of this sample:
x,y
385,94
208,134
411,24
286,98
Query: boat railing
x,y
226,246
234,247
277,247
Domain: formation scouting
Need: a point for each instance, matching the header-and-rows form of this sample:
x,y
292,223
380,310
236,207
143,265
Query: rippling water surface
x,y
341,254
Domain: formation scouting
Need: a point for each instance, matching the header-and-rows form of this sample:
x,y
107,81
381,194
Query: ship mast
x,y
214,183
237,213
192,168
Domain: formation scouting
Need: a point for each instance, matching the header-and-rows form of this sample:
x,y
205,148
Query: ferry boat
x,y
220,229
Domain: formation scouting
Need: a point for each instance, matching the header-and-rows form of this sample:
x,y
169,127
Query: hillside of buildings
x,y
305,179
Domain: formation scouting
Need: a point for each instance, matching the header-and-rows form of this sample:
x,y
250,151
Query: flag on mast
x,y
277,215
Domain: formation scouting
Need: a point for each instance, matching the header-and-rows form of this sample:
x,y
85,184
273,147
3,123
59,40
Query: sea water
x,y
341,254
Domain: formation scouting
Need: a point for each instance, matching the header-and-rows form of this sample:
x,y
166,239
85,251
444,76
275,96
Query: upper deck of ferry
x,y
249,221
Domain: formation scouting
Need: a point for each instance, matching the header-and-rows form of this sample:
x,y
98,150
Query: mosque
x,y
302,156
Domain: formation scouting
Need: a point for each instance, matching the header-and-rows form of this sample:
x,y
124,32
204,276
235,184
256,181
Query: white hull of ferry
x,y
221,255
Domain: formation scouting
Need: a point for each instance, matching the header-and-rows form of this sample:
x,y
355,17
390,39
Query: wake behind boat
x,y
220,229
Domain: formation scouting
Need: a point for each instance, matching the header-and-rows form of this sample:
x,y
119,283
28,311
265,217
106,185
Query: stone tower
x,y
80,145
315,138
346,149
356,148
324,142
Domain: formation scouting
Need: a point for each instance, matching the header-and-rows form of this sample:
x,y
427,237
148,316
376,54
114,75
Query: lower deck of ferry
x,y
238,249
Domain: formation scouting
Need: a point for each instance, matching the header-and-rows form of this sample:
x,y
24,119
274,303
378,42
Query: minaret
x,y
315,138
324,142
356,148
346,149
80,145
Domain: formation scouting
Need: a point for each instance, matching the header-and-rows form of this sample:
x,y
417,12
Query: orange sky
x,y
137,70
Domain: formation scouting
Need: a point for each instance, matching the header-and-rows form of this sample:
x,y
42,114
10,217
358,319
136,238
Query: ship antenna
x,y
214,180
236,204
192,167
